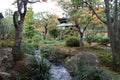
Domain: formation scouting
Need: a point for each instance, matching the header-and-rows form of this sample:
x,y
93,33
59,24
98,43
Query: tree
x,y
29,19
18,20
54,32
29,31
79,15
112,22
8,13
45,19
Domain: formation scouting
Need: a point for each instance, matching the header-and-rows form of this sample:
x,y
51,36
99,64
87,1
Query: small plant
x,y
72,42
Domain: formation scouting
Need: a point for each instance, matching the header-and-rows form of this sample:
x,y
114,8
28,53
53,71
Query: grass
x,y
6,43
105,56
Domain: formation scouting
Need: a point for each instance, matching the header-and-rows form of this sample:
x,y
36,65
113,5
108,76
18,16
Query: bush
x,y
72,42
49,52
29,31
5,28
90,39
36,38
82,72
54,32
11,34
99,39
28,48
34,70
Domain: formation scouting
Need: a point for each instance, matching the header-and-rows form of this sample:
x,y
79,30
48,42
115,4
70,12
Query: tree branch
x,y
94,13
86,25
33,2
77,26
15,19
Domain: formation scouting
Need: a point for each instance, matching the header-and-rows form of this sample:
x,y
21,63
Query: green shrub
x,y
29,31
72,42
90,39
36,38
28,48
82,72
54,32
5,27
49,52
34,70
6,43
11,34
101,39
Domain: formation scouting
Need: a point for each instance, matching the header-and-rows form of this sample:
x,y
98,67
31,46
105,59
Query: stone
x,y
5,59
5,75
87,58
5,63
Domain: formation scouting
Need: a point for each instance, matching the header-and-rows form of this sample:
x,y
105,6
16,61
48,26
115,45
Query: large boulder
x,y
86,58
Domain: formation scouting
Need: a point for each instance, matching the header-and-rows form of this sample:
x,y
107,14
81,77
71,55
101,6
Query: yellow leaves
x,y
95,19
90,14
100,10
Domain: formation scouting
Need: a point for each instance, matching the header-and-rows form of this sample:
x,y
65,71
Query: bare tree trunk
x,y
113,29
18,19
16,51
80,34
114,33
45,27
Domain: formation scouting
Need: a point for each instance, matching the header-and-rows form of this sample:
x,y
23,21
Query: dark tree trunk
x,y
114,33
80,34
16,51
45,27
113,26
18,19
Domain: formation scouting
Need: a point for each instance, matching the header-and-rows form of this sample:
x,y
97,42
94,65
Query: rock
x,y
87,58
5,59
5,63
5,76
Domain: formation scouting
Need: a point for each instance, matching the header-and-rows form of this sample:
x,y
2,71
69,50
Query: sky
x,y
50,5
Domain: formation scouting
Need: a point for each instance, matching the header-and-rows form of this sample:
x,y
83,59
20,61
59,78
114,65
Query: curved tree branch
x,y
94,13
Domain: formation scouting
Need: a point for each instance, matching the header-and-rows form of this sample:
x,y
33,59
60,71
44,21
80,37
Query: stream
x,y
55,72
